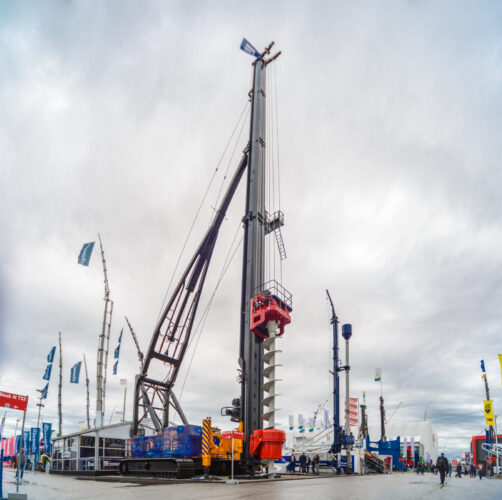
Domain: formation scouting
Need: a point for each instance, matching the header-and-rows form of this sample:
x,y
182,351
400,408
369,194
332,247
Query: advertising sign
x,y
490,419
46,436
34,440
13,401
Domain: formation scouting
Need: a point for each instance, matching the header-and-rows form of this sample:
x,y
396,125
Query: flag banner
x,y
118,414
405,442
50,356
378,375
249,49
11,446
500,361
123,381
46,436
488,406
26,441
81,424
311,424
117,349
85,254
326,419
412,444
44,391
483,366
47,374
34,440
16,445
291,422
300,422
75,373
115,366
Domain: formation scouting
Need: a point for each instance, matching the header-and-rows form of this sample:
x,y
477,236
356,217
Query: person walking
x,y
442,465
459,471
292,463
315,464
480,471
21,464
303,463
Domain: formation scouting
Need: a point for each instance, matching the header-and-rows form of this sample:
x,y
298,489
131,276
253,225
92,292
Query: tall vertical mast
x,y
102,354
337,431
60,416
251,345
487,391
109,311
87,388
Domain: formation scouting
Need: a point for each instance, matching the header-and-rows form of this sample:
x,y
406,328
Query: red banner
x,y
8,446
13,401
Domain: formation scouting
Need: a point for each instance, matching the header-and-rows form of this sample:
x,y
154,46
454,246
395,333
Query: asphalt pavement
x,y
397,486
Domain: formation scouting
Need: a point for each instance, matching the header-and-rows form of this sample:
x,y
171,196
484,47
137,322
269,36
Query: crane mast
x,y
161,363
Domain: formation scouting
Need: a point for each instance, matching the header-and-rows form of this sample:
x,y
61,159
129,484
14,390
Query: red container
x,y
267,443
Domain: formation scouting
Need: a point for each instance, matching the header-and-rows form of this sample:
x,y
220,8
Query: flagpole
x,y
40,406
109,325
87,387
60,387
125,395
102,358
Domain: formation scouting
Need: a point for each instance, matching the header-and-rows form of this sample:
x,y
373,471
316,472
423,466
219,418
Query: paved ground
x,y
396,486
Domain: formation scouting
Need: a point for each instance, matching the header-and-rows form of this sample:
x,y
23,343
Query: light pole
x,y
497,446
347,333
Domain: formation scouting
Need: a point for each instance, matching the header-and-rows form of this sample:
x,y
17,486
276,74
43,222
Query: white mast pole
x,y
102,354
87,387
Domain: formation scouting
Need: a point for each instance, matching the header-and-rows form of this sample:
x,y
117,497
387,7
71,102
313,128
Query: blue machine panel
x,y
176,441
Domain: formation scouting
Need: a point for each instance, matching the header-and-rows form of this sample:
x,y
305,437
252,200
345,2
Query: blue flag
x,y
50,357
34,440
47,374
26,441
44,391
249,49
75,372
16,444
483,365
116,354
85,254
115,366
46,436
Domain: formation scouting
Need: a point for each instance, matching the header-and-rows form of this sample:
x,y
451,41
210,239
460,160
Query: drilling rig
x,y
186,450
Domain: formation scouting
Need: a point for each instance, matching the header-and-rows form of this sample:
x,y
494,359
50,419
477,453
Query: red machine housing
x,y
267,443
268,307
480,456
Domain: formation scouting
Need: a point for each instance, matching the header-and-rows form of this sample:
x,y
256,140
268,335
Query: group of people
x,y
306,464
444,468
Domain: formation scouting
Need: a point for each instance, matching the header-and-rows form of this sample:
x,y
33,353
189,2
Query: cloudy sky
x,y
114,118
